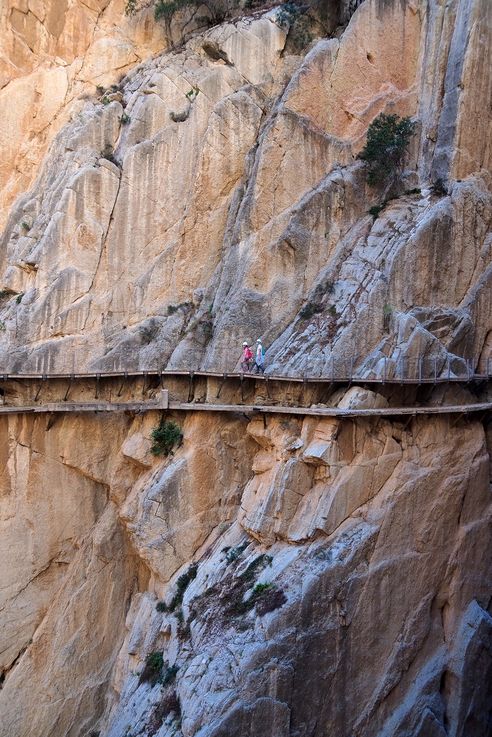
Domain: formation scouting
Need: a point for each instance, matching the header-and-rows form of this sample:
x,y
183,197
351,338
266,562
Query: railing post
x,y
384,370
435,370
420,370
332,369
449,368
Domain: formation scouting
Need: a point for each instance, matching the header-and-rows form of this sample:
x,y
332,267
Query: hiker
x,y
259,357
246,358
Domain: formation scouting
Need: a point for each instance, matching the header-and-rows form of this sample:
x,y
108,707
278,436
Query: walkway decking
x,y
338,377
335,411
163,403
206,391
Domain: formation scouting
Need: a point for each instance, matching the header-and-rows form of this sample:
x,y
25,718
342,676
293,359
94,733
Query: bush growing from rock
x,y
293,18
388,137
310,309
152,669
375,210
181,585
165,437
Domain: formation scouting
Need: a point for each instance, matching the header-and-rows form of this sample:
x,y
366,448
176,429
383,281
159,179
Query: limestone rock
x,y
238,179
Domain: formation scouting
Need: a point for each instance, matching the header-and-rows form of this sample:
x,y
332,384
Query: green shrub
x,y
292,17
181,585
186,578
166,8
125,119
388,137
258,563
165,437
161,606
232,554
287,14
260,588
264,598
25,226
18,299
375,210
152,669
193,93
310,309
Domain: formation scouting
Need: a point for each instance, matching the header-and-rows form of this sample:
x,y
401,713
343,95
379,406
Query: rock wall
x,y
343,577
296,578
53,55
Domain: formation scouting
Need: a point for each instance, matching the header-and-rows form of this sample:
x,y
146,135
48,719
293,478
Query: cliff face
x,y
208,197
217,191
375,536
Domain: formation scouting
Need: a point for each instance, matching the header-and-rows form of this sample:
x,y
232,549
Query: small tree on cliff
x,y
388,137
219,10
165,437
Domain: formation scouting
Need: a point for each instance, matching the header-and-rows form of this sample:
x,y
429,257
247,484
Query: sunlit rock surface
x,y
218,194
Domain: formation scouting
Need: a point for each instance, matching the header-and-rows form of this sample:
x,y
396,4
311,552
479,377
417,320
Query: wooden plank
x,y
162,403
332,411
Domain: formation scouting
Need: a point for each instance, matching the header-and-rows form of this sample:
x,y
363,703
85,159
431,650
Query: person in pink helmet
x,y
247,358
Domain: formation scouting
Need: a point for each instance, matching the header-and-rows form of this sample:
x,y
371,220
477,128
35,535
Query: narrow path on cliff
x,y
238,393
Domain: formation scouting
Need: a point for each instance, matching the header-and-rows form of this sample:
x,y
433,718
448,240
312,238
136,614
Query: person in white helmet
x,y
259,357
247,357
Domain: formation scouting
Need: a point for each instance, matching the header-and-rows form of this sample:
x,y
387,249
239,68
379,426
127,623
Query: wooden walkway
x,y
330,378
481,407
163,403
